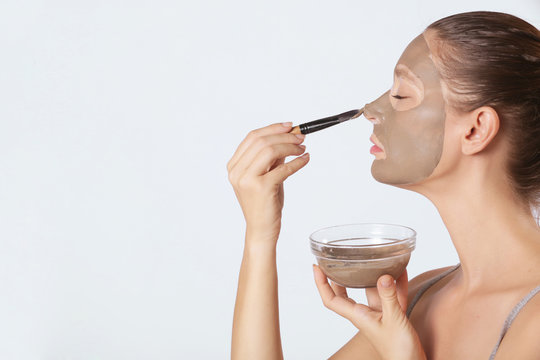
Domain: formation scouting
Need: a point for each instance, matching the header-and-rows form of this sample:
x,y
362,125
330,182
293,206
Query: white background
x,y
120,237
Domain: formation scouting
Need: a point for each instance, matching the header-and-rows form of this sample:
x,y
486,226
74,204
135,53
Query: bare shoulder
x,y
418,281
521,340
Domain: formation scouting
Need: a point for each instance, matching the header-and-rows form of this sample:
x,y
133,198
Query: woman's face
x,y
408,120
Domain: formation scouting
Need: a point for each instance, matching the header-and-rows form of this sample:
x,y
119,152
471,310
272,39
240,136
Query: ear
x,y
482,127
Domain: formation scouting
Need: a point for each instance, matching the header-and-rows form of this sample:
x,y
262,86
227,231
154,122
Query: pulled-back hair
x,y
493,59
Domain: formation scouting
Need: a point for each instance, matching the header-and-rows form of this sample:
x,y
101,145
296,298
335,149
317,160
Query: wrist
x,y
261,238
255,248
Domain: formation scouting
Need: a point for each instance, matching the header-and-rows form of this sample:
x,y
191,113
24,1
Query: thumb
x,y
389,298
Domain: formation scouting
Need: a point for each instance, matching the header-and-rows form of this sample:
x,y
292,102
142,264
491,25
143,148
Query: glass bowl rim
x,y
408,238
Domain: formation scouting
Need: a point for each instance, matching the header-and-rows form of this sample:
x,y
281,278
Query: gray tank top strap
x,y
511,317
426,286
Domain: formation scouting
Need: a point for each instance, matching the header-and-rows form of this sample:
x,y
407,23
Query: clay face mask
x,y
409,119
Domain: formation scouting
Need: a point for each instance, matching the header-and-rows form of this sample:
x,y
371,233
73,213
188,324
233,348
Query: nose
x,y
371,114
374,111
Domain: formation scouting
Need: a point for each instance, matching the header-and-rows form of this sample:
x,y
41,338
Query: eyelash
x,y
399,97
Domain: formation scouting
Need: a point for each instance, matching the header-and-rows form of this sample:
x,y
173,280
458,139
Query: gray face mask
x,y
411,129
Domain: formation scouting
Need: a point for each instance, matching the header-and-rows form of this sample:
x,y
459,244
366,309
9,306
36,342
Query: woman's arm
x,y
357,348
257,171
256,316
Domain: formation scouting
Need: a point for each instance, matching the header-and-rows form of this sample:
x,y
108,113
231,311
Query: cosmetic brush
x,y
323,123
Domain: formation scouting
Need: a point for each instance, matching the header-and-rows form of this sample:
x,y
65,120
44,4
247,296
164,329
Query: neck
x,y
495,235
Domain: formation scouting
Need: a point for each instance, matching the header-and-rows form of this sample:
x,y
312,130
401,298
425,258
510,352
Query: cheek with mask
x,y
409,120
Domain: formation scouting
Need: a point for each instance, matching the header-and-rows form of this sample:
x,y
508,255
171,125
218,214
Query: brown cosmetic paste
x,y
363,274
342,268
411,129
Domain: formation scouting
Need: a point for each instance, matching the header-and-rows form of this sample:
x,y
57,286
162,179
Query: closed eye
x,y
399,97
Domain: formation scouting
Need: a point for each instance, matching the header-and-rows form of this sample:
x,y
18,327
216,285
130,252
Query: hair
x,y
493,59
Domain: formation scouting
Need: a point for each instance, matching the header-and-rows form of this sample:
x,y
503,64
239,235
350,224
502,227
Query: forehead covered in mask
x,y
409,119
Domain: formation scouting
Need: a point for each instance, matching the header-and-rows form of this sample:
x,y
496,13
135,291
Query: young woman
x,y
460,125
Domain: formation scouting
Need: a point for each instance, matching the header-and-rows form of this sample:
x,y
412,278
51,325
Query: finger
x,y
283,171
329,298
253,135
389,301
374,301
262,143
402,284
339,290
268,155
277,163
366,319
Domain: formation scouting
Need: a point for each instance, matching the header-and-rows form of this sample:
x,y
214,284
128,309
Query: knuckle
x,y
288,168
252,134
261,141
270,151
232,177
327,304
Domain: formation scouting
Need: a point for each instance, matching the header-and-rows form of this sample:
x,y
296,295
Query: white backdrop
x,y
120,237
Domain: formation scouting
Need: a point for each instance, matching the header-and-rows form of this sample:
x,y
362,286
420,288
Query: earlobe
x,y
482,129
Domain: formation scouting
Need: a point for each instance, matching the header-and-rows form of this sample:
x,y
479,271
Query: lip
x,y
376,142
378,148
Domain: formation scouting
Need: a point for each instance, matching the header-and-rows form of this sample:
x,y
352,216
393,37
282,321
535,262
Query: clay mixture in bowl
x,y
356,255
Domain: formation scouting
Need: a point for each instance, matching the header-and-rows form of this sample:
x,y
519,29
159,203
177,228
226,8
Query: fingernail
x,y
306,155
301,136
287,124
303,146
386,282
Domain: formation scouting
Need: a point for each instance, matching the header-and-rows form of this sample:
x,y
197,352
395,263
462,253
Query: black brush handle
x,y
323,123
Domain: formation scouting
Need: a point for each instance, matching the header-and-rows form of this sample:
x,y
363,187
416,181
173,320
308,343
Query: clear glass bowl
x,y
356,255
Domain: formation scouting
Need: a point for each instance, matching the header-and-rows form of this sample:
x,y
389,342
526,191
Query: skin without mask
x,y
410,130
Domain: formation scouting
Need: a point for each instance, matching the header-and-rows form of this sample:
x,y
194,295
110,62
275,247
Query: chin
x,y
390,175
